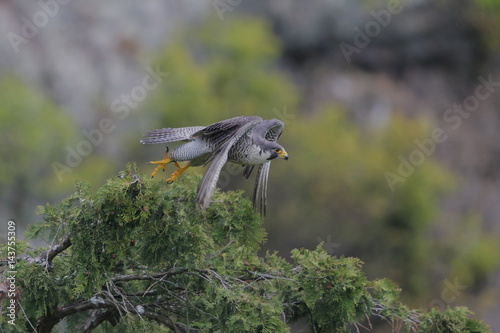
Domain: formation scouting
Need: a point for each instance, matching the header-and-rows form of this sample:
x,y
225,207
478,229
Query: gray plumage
x,y
171,134
249,141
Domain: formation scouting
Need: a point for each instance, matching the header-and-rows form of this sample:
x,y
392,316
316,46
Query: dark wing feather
x,y
248,171
217,134
219,158
271,131
260,189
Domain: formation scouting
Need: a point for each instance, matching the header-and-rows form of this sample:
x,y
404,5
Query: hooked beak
x,y
283,155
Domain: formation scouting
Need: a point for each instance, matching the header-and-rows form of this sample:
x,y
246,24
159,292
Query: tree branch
x,y
152,276
177,328
114,307
98,318
45,259
47,322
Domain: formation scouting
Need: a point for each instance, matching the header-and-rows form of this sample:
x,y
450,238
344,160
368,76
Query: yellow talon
x,y
161,164
180,170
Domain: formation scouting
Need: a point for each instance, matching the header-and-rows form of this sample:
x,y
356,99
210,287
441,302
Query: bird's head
x,y
277,151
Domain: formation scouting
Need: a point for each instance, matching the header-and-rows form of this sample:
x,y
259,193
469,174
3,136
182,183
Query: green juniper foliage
x,y
137,255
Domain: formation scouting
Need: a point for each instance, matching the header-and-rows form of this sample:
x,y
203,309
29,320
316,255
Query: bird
x,y
246,140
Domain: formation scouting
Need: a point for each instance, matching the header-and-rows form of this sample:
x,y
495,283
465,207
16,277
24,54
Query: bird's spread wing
x,y
260,189
163,135
219,158
217,134
271,131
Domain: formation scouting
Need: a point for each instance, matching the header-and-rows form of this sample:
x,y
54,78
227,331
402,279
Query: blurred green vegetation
x,y
37,135
485,15
478,254
25,116
34,132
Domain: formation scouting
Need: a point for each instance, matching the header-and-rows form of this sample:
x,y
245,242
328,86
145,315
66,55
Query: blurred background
x,y
391,113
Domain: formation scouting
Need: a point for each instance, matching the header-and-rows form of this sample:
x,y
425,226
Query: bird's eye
x,y
277,150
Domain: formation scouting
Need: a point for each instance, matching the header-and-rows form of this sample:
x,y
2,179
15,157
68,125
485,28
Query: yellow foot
x,y
161,164
180,170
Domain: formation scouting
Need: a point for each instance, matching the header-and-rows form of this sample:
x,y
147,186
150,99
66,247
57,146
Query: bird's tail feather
x,y
163,135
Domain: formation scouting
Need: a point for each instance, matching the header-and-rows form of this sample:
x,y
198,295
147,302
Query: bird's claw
x,y
180,170
161,164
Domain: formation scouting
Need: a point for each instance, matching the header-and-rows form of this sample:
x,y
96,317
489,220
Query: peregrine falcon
x,y
249,141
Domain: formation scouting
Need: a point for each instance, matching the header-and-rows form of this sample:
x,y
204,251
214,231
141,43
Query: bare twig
x,y
25,316
216,253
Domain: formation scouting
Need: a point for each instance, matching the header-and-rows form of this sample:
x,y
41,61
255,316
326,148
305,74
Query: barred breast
x,y
247,153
